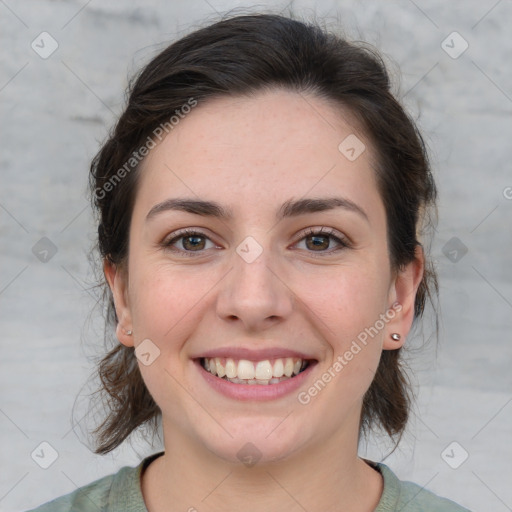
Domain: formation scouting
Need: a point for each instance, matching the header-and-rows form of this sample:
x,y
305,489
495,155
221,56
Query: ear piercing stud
x,y
129,333
395,336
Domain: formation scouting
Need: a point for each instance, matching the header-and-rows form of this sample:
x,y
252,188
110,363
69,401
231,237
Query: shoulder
x,y
119,492
88,497
410,497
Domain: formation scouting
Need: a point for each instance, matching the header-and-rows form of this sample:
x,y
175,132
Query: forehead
x,y
273,145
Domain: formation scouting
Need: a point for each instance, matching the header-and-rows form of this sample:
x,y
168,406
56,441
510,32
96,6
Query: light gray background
x,y
54,112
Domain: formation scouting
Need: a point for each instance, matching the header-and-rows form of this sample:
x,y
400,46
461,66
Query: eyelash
x,y
343,242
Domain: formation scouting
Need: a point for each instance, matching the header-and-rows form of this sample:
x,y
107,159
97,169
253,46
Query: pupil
x,y
317,242
195,242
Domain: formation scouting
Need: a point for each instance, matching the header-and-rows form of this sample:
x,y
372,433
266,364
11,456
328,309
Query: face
x,y
276,285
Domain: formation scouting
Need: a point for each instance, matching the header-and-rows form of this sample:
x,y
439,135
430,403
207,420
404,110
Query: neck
x,y
323,476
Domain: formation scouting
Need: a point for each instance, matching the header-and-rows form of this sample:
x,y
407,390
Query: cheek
x,y
166,301
346,299
165,305
347,307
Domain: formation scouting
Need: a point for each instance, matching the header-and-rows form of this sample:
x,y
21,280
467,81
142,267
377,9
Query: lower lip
x,y
255,391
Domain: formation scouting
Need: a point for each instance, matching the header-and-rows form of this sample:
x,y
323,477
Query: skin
x,y
252,155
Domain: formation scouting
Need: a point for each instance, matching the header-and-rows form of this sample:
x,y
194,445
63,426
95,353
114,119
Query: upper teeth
x,y
247,370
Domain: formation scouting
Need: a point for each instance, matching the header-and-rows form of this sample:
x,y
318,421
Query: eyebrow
x,y
291,208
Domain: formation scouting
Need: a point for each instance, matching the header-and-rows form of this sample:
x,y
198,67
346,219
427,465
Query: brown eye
x,y
321,241
315,242
188,241
193,242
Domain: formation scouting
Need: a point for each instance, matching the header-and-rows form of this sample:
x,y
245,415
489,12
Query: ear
x,y
118,282
403,293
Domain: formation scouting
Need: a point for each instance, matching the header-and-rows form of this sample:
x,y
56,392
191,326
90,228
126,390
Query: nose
x,y
255,294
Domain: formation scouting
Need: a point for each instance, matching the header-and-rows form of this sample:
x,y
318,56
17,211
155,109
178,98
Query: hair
x,y
243,55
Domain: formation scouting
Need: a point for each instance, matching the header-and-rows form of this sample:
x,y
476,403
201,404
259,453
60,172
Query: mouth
x,y
266,372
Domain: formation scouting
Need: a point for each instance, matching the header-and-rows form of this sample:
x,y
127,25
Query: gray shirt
x,y
121,492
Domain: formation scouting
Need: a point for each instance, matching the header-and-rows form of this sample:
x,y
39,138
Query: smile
x,y
265,372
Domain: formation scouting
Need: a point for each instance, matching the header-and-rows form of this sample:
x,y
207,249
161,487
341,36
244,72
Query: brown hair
x,y
238,56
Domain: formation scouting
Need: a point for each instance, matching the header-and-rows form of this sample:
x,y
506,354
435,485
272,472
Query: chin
x,y
256,444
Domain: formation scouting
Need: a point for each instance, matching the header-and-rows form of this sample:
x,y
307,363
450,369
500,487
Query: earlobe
x,y
117,281
403,292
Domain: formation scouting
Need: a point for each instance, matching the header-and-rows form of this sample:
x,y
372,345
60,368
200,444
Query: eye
x,y
188,241
319,240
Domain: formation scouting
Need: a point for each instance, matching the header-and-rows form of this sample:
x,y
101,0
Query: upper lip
x,y
251,354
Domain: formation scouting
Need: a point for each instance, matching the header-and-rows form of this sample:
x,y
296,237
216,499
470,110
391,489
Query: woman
x,y
260,205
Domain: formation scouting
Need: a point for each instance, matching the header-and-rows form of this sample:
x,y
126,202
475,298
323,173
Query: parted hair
x,y
241,55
